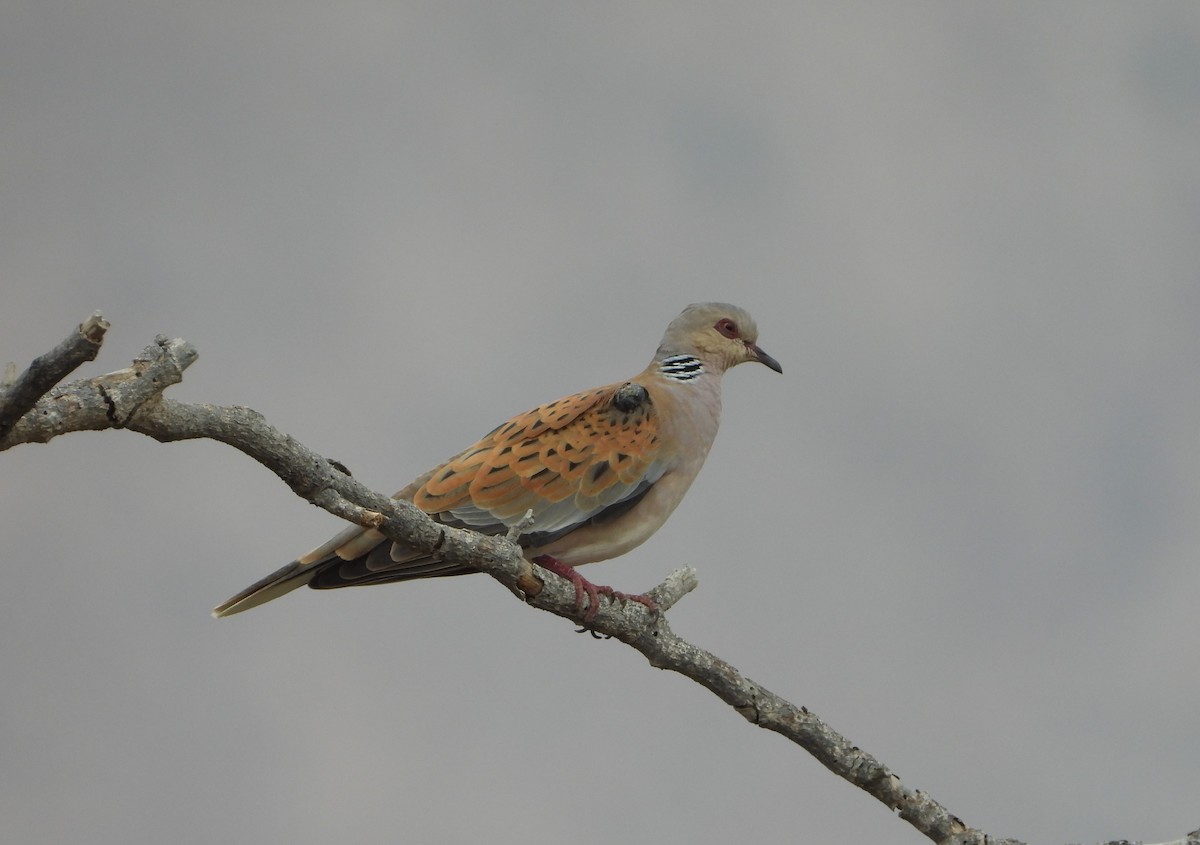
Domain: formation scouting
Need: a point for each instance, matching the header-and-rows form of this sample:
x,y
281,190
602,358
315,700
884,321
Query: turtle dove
x,y
600,471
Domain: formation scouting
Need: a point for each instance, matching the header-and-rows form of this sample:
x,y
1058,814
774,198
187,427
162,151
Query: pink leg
x,y
584,587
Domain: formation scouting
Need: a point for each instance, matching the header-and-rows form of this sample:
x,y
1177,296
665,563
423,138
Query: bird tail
x,y
278,583
299,572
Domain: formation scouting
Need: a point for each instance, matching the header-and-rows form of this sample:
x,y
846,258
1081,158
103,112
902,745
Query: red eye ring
x,y
727,327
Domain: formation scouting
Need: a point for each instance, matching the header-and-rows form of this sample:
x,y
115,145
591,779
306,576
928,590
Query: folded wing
x,y
581,458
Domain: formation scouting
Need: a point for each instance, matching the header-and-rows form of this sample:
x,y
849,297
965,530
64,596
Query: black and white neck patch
x,y
681,367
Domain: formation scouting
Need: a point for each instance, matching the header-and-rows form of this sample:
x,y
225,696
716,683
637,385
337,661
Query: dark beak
x,y
763,358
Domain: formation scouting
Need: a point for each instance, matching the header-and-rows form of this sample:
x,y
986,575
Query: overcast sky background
x,y
962,527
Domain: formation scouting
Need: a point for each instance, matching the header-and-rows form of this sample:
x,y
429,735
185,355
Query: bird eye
x,y
727,327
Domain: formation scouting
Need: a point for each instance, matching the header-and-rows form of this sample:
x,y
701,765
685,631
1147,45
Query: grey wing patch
x,y
379,567
536,538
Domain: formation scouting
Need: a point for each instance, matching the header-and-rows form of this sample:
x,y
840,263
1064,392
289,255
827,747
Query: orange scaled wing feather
x,y
565,461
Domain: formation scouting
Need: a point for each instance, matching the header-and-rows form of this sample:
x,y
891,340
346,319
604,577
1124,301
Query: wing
x,y
565,461
569,462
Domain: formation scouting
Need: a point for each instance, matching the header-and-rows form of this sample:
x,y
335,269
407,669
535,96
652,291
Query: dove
x,y
599,471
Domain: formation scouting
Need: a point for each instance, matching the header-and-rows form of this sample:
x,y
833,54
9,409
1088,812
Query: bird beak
x,y
762,357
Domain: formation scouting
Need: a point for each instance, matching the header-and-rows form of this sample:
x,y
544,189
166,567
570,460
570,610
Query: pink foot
x,y
584,587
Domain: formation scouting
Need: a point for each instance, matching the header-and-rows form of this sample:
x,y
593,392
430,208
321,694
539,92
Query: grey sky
x,y
962,527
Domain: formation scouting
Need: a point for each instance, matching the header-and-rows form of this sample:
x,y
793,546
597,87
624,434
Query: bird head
x,y
720,334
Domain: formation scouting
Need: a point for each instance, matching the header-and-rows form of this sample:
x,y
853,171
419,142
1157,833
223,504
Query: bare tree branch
x,y
132,399
18,395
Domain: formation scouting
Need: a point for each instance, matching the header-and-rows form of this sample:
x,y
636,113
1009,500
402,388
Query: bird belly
x,y
598,541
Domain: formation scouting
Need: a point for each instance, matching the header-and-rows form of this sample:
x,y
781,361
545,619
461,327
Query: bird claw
x,y
644,601
585,589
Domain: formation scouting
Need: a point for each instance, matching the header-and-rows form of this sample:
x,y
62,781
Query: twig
x,y
19,393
